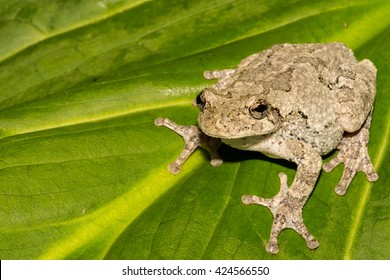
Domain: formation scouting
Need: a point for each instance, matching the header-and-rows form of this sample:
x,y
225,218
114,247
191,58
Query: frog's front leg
x,y
193,137
287,205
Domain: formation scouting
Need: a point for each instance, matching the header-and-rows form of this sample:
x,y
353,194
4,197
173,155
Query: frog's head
x,y
231,116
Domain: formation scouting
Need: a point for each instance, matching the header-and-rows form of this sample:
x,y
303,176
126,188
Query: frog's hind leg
x,y
353,152
356,105
356,94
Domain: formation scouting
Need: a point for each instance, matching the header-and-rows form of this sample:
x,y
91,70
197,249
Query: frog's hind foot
x,y
353,153
287,212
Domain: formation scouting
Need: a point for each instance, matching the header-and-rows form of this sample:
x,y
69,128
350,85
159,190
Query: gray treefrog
x,y
295,102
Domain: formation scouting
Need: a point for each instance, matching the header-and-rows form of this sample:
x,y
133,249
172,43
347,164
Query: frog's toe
x,y
174,168
272,247
369,169
312,244
216,161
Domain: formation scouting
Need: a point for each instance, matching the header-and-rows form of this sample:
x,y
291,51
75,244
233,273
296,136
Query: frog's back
x,y
300,82
279,57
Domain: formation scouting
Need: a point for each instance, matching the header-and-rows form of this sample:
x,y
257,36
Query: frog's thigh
x,y
356,101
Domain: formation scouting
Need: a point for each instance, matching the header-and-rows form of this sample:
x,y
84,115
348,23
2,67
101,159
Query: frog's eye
x,y
258,109
200,101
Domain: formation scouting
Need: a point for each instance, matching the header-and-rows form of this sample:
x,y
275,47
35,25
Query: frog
x,y
295,102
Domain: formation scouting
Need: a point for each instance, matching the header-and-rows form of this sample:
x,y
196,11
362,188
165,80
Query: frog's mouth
x,y
235,125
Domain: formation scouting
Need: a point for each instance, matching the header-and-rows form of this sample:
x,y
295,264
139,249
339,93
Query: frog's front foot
x,y
193,137
353,153
287,212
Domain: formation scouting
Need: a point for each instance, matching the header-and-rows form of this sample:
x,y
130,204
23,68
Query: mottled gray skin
x,y
295,102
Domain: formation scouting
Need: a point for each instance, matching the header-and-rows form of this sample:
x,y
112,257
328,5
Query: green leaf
x,y
83,167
